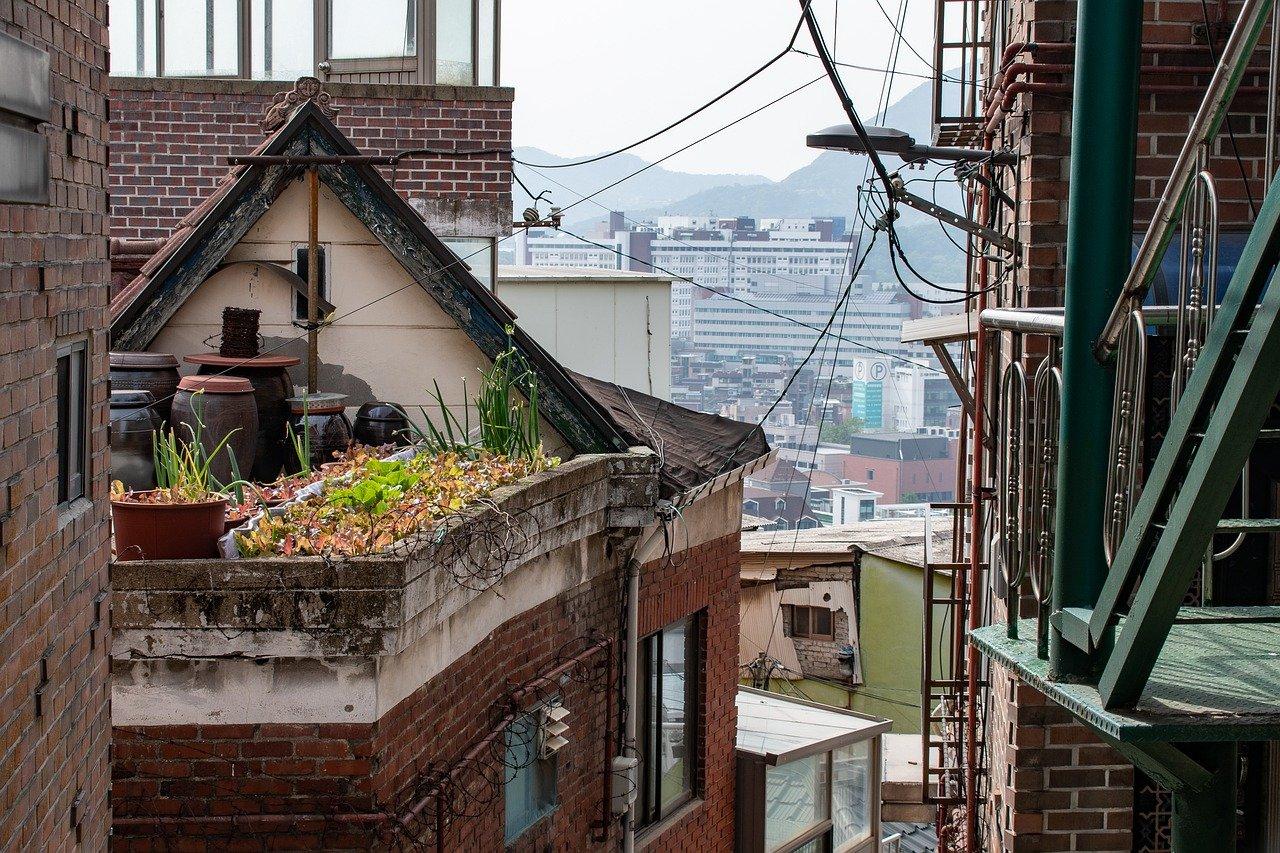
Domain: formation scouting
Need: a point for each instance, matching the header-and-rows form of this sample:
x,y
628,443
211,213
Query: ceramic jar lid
x,y
381,412
216,384
145,360
321,403
129,399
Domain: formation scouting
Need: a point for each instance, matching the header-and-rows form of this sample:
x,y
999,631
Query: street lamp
x,y
890,140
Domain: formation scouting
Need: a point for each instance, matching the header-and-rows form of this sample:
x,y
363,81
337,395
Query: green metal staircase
x,y
1220,417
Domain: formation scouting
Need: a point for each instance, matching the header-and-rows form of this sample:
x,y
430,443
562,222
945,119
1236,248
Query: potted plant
x,y
183,517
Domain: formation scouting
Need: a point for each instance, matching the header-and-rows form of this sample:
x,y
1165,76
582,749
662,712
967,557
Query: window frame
x,y
550,765
809,633
649,807
422,63
78,413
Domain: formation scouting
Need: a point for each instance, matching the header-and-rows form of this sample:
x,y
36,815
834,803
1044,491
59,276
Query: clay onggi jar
x,y
224,404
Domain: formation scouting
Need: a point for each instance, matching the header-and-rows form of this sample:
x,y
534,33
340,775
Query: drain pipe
x,y
644,552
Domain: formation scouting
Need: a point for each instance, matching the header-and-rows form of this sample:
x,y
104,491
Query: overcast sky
x,y
593,75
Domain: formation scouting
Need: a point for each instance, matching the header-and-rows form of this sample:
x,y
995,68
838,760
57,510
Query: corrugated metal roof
x,y
915,837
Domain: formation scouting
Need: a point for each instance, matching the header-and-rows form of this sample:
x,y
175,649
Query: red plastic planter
x,y
168,531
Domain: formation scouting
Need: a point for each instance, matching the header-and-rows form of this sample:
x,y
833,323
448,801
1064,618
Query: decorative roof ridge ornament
x,y
305,89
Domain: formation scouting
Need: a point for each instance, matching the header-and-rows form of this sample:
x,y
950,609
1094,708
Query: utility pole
x,y
1104,120
313,280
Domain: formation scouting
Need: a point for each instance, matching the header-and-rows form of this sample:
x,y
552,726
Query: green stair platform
x,y
1217,678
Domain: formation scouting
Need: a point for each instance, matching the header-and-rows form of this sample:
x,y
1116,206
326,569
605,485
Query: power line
x,y
795,33
683,148
821,331
815,32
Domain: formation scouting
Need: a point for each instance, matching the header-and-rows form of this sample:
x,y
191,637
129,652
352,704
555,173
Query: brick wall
x,y
1053,786
1057,787
705,577
1039,128
170,139
53,565
323,786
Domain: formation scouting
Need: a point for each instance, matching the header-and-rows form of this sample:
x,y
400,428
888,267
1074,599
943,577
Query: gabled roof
x,y
203,238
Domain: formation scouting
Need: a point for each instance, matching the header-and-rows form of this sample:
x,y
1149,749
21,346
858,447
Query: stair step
x,y
1242,525
1263,435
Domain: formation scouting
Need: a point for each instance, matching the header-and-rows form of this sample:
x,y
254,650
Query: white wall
x,y
390,341
614,326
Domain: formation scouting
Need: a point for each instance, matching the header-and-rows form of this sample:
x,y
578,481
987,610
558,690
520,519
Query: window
x,y
359,29
850,782
133,38
282,40
478,254
286,39
871,474
669,706
73,420
487,43
455,65
797,800
529,794
300,305
866,510
201,38
810,622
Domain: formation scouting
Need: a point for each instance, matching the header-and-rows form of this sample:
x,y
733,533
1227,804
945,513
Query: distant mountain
x,y
825,187
652,188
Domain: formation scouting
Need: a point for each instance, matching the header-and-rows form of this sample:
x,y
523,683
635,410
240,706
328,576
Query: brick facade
x,y
53,566
327,786
703,578
170,139
1053,785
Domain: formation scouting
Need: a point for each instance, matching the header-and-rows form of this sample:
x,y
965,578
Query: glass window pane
x,y
477,253
201,38
795,799
822,621
801,617
282,42
453,43
486,42
850,784
362,30
133,38
673,745
63,428
529,789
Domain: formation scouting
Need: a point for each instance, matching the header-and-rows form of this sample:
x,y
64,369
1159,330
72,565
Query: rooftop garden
x,y
361,499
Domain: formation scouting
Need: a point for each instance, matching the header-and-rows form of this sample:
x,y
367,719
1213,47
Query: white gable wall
x,y
392,349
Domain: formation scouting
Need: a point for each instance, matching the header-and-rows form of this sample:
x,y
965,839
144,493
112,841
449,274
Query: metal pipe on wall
x,y
1104,127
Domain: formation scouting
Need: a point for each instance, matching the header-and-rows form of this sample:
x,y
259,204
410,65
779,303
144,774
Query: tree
x,y
840,433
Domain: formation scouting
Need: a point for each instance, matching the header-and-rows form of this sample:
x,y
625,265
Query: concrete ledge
x,y
388,91
379,605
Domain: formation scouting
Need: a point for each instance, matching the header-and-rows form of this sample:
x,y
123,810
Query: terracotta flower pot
x,y
146,531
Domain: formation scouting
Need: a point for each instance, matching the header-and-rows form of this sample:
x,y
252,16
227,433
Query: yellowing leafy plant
x,y
384,503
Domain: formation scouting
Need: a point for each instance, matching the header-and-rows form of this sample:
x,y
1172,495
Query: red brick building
x,y
1045,781
184,97
407,697
903,468
55,635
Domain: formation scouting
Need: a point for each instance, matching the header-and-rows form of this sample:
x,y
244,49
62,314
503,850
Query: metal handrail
x,y
1047,412
1204,128
1128,417
1011,465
